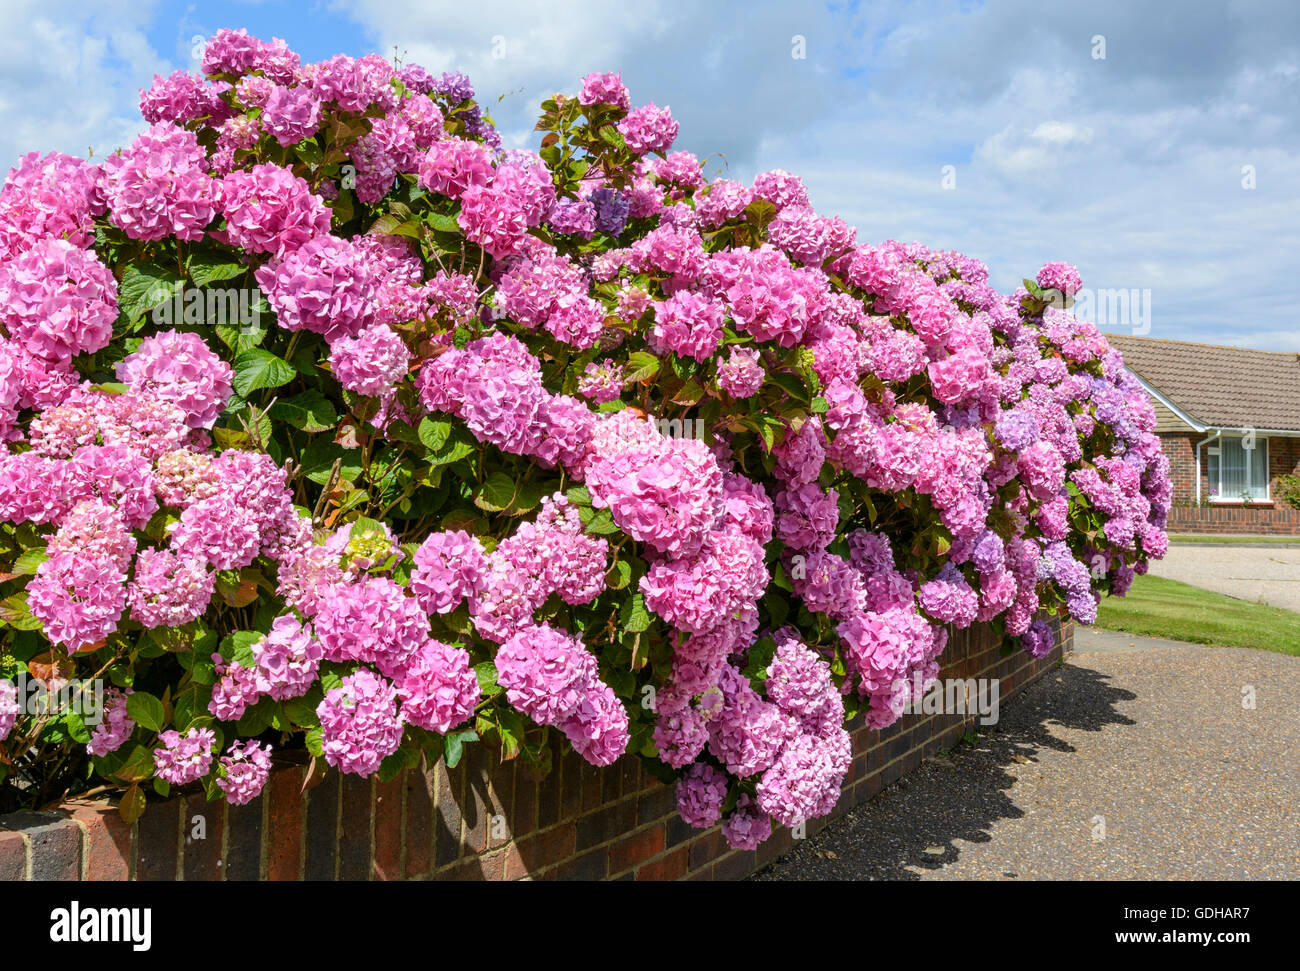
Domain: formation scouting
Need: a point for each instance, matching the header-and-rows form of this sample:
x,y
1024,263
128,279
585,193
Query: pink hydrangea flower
x,y
1060,276
245,768
373,621
688,324
184,758
57,300
115,725
372,363
168,590
291,114
452,165
604,89
747,826
360,726
77,598
287,658
545,673
48,197
449,568
160,186
649,129
438,689
181,369
9,708
268,209
741,375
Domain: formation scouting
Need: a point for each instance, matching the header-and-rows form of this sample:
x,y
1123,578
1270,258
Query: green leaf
x,y
598,522
633,615
202,668
778,608
302,711
207,267
443,222
310,152
238,647
641,366
433,433
452,751
487,678
240,339
819,406
791,384
259,368
619,575
529,496
310,412
14,612
314,740
454,746
145,286
458,446
497,493
259,717
145,710
612,137
77,728
132,805
26,564
137,766
318,458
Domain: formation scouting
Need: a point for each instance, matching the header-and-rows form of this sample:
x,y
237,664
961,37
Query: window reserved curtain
x,y
1241,469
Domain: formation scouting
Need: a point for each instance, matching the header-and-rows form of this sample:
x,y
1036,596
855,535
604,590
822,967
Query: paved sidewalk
x,y
1261,574
1154,745
1092,639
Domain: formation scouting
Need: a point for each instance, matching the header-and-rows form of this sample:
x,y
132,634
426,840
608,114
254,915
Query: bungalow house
x,y
1229,421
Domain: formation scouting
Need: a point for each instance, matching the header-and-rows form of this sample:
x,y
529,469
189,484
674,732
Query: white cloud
x,y
69,77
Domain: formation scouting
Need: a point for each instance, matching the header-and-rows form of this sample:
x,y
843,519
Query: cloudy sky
x,y
1154,145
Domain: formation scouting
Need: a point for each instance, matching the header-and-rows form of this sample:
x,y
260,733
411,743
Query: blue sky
x,y
1133,166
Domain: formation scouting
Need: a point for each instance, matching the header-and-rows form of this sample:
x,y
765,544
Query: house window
x,y
1238,468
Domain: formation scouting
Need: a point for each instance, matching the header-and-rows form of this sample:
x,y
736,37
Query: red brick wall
x,y
1222,518
1181,451
479,821
1265,518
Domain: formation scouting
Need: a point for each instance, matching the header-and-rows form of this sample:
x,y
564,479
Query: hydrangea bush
x,y
505,444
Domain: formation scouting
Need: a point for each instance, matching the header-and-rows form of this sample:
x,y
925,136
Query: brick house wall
x,y
1269,518
479,821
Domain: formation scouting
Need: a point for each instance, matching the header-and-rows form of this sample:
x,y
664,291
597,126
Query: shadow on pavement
x,y
912,824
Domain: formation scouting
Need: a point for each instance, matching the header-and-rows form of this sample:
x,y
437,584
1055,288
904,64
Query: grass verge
x,y
1157,607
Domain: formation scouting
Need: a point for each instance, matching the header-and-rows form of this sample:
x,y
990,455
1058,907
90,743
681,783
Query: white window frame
x,y
1219,497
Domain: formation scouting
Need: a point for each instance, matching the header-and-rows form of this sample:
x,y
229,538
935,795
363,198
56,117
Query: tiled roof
x,y
1222,387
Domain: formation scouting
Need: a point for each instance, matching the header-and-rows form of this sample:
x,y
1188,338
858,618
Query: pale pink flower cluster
x,y
160,187
360,725
551,678
184,758
244,770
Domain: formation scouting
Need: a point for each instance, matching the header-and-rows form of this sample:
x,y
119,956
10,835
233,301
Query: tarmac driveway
x,y
1260,574
1137,764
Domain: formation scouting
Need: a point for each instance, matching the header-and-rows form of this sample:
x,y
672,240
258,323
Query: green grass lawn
x,y
1235,540
1158,607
